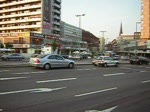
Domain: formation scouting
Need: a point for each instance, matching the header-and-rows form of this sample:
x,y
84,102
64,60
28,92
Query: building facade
x,y
92,42
21,19
145,13
71,39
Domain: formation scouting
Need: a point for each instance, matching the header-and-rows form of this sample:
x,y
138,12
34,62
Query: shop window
x,y
24,51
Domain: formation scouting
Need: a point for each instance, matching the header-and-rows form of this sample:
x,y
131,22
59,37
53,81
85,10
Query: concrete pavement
x,y
24,63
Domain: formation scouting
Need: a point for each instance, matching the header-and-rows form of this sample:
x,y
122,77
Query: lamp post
x,y
135,36
103,46
80,27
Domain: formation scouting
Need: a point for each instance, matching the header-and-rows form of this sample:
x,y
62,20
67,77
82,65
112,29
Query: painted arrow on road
x,y
36,90
107,110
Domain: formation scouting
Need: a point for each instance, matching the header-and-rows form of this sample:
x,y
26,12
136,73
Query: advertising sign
x,y
46,16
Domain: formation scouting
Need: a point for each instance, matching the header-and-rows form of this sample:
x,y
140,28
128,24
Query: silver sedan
x,y
51,61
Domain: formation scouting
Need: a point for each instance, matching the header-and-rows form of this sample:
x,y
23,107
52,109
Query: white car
x,y
50,61
107,61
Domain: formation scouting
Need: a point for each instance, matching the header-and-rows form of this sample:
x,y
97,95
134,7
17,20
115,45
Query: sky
x,y
103,15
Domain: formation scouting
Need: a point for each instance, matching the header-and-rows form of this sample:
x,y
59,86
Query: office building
x,y
26,23
72,39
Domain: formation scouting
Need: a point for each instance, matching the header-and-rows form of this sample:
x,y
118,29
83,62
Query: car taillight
x,y
37,61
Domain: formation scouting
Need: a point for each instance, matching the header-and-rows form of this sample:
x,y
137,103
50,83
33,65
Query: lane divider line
x,y
94,92
13,78
146,81
113,74
56,80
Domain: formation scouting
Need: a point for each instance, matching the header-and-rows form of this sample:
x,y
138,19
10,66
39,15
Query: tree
x,y
1,45
8,45
54,45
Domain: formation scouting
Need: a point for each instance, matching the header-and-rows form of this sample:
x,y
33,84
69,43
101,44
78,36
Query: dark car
x,y
139,60
14,56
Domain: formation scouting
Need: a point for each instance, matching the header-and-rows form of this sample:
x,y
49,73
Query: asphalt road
x,y
85,88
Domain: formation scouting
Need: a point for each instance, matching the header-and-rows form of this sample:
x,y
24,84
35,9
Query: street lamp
x,y
79,27
135,36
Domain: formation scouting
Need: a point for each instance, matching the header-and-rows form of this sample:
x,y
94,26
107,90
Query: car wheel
x,y
117,64
7,59
94,64
131,63
105,65
140,63
147,63
47,66
71,65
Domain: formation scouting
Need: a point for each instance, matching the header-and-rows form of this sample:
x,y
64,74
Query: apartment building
x,y
26,23
145,29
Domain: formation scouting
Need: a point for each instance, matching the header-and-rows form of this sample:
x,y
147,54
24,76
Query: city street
x,y
86,88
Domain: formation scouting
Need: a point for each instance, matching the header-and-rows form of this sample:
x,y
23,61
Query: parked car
x,y
14,56
124,57
51,61
139,60
107,61
116,57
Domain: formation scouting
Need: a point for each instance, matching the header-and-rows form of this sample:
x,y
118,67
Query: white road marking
x,y
83,69
31,72
41,90
4,71
32,90
113,74
12,78
146,81
39,72
142,71
94,92
107,110
56,80
147,67
22,73
1,109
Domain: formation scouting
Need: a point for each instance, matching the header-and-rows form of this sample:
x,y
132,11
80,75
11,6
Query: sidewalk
x,y
24,63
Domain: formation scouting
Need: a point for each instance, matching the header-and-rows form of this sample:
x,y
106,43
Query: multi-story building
x,y
25,23
145,30
71,39
92,41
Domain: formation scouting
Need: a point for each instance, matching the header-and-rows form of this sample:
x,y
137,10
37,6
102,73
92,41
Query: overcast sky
x,y
103,15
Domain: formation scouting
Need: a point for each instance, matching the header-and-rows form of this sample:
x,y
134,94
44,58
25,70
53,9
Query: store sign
x,y
20,45
37,35
27,34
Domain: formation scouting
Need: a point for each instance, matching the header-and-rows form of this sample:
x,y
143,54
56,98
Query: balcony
x,y
20,21
21,8
18,3
56,17
58,1
56,11
56,23
20,15
56,29
21,27
57,6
